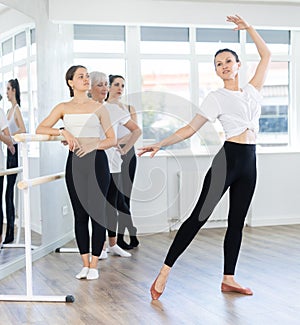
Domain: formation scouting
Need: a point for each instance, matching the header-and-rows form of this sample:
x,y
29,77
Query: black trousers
x,y
233,167
12,162
87,180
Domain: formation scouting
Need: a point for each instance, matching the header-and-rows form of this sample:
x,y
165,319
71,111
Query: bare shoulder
x,y
100,109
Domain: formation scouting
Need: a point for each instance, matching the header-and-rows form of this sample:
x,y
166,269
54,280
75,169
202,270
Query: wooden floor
x,y
269,264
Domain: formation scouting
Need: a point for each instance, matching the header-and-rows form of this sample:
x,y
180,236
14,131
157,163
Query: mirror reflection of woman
x,y
16,125
6,139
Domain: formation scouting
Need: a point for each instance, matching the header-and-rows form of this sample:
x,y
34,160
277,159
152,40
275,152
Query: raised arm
x,y
180,135
265,54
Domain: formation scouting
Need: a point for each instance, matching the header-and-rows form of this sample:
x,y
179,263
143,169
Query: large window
x,y
100,48
172,70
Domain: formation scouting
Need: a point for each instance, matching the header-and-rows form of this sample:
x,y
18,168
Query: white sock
x,y
117,250
83,273
93,274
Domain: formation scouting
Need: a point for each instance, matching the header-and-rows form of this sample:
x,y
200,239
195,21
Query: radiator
x,y
189,188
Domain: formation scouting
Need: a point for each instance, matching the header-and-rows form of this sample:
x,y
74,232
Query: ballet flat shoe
x,y
154,293
244,291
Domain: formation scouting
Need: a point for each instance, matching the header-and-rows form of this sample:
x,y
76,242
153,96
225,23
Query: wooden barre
x,y
11,171
24,184
26,137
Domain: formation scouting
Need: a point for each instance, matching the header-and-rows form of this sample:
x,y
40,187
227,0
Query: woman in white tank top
x,y
88,133
15,125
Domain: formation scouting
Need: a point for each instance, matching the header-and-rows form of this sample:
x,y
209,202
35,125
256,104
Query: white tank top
x,y
11,123
84,125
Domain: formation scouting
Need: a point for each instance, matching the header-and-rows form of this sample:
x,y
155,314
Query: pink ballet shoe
x,y
154,293
244,291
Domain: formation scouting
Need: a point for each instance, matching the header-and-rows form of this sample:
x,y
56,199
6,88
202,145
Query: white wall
x,y
171,12
155,196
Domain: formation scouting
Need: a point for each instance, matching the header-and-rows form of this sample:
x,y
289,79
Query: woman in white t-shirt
x,y
234,166
6,139
118,211
16,125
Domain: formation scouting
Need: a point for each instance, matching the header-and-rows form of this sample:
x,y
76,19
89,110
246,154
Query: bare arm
x,y
5,137
110,140
135,133
182,134
19,121
265,55
46,127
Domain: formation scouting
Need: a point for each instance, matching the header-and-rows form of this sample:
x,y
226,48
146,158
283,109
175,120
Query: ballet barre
x,y
24,185
17,243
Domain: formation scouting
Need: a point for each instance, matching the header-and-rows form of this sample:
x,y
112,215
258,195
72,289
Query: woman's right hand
x,y
71,140
12,149
154,148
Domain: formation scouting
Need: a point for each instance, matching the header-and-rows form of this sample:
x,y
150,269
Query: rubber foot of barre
x,y
70,298
57,250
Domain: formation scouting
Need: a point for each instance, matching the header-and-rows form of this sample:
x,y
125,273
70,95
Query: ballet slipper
x,y
154,293
244,291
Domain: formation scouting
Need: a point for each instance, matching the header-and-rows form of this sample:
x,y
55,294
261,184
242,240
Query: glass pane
x,y
165,47
22,76
274,48
212,48
166,98
274,117
108,66
98,46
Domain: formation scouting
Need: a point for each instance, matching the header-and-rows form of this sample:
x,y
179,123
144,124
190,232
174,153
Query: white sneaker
x,y
93,274
117,250
103,255
83,273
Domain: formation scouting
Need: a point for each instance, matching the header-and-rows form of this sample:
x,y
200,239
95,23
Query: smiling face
x,y
99,90
116,89
226,66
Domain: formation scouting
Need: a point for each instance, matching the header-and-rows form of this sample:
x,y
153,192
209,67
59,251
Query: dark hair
x,y
111,79
14,83
226,50
70,75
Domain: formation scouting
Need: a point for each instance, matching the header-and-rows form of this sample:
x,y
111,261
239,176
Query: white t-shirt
x,y
118,116
236,110
3,125
122,130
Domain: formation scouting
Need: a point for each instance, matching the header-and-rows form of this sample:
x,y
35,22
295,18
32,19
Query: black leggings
x,y
128,172
117,209
87,180
12,162
234,166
